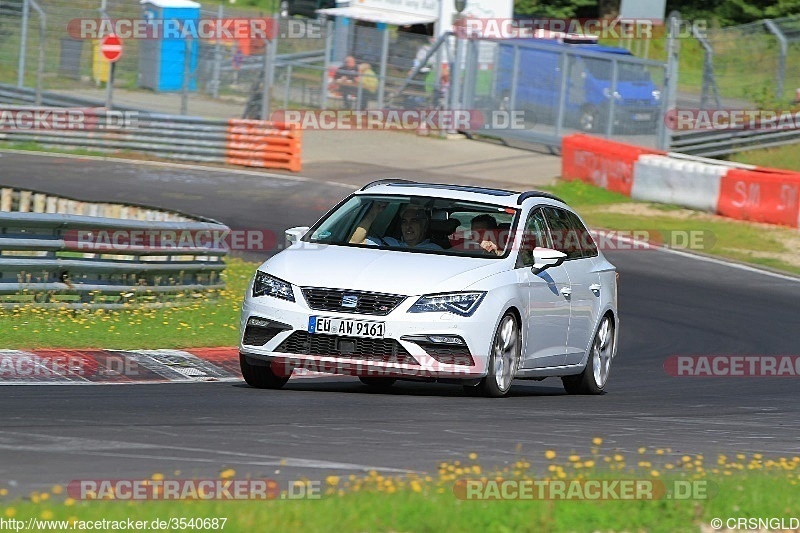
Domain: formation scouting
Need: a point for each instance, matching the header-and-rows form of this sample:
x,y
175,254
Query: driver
x,y
414,226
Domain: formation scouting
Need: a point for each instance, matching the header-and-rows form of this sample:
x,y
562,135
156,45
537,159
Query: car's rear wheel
x,y
503,360
378,383
595,375
262,377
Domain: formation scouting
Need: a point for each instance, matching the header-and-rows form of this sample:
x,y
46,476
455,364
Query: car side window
x,y
562,232
534,235
587,243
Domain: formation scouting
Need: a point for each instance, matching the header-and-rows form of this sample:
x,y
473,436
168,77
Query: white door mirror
x,y
293,235
544,258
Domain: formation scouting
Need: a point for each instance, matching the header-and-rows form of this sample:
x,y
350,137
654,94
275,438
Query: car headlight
x,y
656,95
460,303
266,285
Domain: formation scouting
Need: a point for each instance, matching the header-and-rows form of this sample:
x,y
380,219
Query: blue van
x,y
637,100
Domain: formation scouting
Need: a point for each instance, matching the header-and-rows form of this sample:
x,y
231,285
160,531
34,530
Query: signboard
x,y
111,47
652,10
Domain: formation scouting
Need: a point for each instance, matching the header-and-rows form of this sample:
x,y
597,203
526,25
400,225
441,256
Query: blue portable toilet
x,y
162,59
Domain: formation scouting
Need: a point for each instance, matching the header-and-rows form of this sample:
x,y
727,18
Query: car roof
x,y
496,196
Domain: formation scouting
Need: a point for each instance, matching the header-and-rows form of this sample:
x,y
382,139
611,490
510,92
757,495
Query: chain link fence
x,y
749,64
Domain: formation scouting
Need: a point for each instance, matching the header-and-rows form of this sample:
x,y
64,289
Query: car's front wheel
x,y
262,377
503,360
595,375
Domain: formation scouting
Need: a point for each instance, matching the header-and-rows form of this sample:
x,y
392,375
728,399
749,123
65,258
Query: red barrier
x,y
601,162
265,144
767,195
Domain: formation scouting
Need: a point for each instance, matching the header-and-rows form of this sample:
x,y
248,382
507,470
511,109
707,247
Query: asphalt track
x,y
670,305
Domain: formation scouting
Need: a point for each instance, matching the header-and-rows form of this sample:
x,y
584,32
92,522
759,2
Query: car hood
x,y
388,271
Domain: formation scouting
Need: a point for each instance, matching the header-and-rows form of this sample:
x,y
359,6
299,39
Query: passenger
x,y
415,224
485,228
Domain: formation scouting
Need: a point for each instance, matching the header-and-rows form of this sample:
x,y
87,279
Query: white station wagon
x,y
432,282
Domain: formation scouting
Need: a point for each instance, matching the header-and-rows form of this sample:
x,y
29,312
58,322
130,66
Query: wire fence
x,y
749,64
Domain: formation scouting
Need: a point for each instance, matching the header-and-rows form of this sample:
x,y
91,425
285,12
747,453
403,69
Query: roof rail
x,y
538,194
384,181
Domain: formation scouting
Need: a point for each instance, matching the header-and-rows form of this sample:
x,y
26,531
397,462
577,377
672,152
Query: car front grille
x,y
375,350
367,303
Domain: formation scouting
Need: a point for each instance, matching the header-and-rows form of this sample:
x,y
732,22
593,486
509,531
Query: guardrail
x,y
59,252
252,143
712,143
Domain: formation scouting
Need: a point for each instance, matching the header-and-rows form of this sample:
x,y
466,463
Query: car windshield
x,y
418,223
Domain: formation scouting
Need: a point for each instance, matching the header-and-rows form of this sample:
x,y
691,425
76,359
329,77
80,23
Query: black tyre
x,y
262,377
594,378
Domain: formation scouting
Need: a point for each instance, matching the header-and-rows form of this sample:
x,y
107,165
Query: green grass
x,y
209,320
734,487
783,157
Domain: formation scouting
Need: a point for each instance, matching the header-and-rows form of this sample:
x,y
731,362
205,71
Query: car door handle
x,y
595,288
566,291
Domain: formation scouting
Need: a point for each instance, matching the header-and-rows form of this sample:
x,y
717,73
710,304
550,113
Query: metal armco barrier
x,y
57,252
713,143
252,143
743,192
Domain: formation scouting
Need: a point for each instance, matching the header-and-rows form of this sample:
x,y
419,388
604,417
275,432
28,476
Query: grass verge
x,y
784,157
681,493
212,319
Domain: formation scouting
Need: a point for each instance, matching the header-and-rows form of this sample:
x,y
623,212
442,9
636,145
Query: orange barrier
x,y
604,163
762,195
264,144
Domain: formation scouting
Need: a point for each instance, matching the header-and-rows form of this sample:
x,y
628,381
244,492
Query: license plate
x,y
642,116
347,327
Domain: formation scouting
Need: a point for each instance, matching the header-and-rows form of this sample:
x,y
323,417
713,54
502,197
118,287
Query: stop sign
x,y
111,47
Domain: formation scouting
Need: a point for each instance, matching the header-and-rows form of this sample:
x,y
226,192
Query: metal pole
x,y
384,59
42,35
287,87
23,47
110,86
670,83
562,97
613,98
323,92
217,57
265,83
512,98
775,30
453,100
187,60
